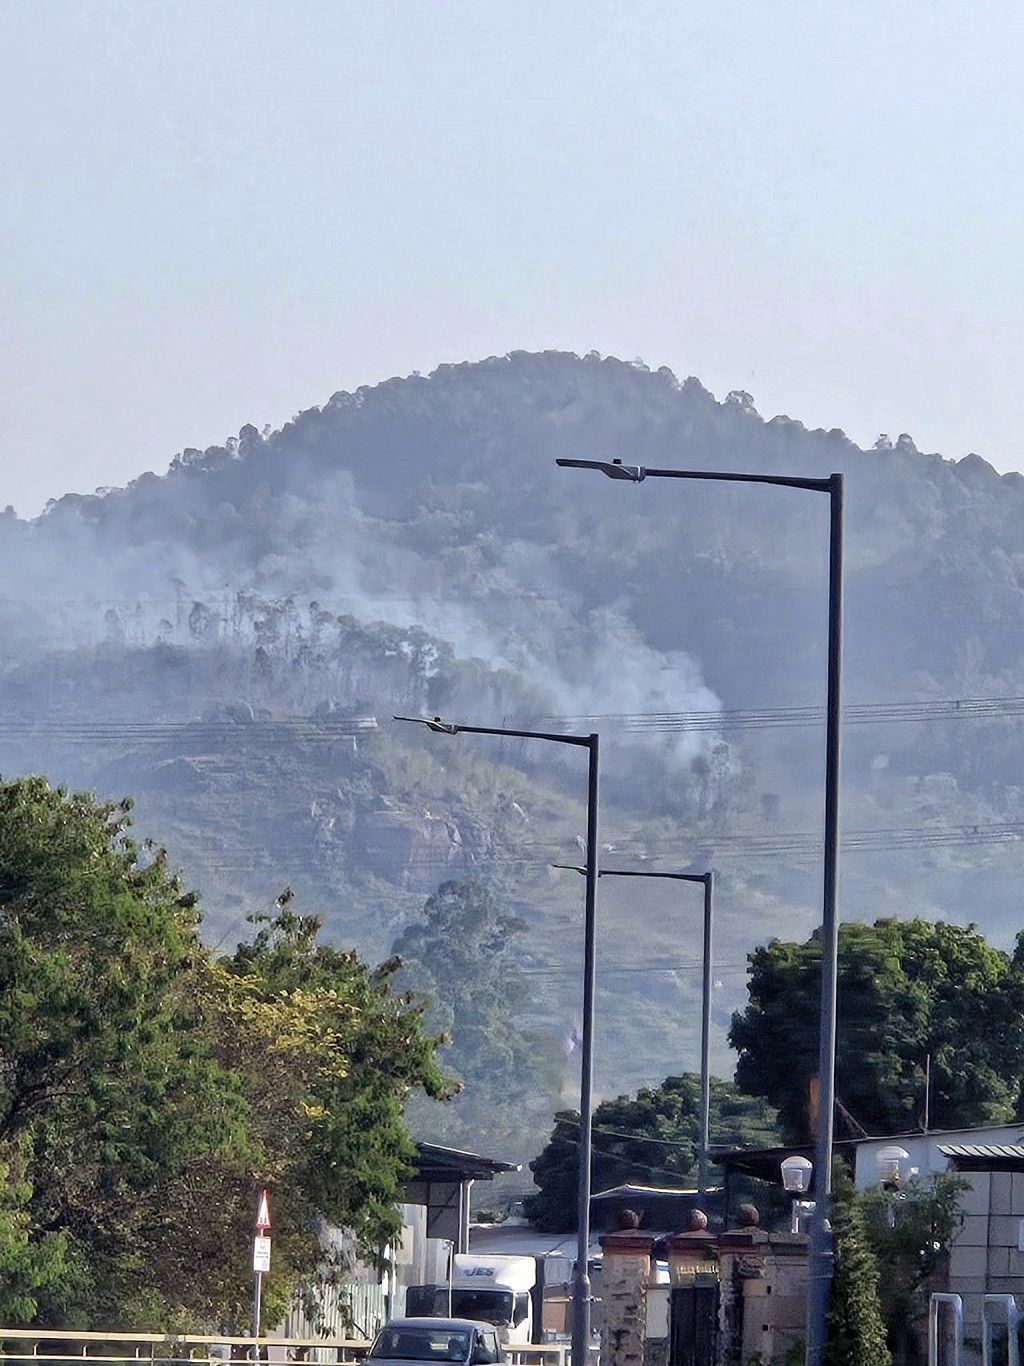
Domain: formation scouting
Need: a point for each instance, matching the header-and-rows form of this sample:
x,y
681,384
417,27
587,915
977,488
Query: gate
x,y
693,1324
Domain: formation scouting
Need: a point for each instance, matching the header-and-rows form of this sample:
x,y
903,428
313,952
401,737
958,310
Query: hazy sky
x,y
216,212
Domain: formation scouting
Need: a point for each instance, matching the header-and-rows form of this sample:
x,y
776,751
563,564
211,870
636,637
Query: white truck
x,y
504,1290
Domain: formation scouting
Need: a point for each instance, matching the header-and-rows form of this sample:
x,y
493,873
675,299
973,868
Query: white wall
x,y
924,1149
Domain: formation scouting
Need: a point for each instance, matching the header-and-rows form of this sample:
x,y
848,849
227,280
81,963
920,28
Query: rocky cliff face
x,y
418,849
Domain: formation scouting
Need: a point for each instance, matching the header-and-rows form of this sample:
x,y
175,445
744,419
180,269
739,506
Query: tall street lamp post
x,y
820,1269
581,1276
707,880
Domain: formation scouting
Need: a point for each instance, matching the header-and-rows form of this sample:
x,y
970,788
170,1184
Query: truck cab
x,y
493,1289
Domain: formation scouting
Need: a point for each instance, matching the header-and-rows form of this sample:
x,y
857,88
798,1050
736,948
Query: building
x,y
356,1298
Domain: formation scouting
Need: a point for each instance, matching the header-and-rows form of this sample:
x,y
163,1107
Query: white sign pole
x,y
254,1351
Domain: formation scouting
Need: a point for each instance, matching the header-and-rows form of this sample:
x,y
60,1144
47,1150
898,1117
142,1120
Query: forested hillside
x,y
229,641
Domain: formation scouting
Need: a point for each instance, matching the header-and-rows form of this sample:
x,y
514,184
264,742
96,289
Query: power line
x,y
325,729
728,848
159,732
620,1159
629,969
962,708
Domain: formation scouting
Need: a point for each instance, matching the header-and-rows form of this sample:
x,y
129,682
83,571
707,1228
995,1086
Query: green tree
x,y
108,1084
28,1265
328,1054
912,996
910,1230
148,1091
324,1055
460,959
651,1138
856,1335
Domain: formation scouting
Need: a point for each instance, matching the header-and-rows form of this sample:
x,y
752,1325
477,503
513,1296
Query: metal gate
x,y
693,1325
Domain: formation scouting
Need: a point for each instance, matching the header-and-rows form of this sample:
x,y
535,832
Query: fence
x,y
26,1346
22,1346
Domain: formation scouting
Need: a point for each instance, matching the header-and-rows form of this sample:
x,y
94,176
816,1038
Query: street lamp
x,y
796,1181
581,1277
889,1165
707,880
820,1286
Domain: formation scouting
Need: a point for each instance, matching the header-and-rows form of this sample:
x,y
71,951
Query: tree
x,y
856,1334
107,1079
27,1266
910,1231
328,1055
147,1091
649,1139
914,998
459,958
324,1055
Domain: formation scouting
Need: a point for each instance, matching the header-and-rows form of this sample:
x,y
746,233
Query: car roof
x,y
438,1325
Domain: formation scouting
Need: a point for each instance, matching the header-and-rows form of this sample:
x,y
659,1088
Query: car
x,y
458,1342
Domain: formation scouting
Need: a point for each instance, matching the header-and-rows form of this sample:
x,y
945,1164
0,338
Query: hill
x,y
228,642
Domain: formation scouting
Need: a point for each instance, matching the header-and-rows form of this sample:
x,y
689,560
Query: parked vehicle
x,y
456,1342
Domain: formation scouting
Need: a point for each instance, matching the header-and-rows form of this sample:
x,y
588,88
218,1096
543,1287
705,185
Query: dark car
x,y
462,1342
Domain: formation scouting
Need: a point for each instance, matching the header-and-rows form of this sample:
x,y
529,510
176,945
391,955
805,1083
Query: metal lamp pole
x,y
581,1277
707,880
820,1286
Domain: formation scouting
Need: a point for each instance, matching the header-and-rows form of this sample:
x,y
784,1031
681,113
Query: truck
x,y
500,1289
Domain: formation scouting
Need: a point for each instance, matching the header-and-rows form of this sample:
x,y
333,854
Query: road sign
x,y
261,1254
263,1213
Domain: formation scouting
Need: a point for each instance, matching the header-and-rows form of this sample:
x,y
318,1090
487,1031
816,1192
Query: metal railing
x,y
20,1346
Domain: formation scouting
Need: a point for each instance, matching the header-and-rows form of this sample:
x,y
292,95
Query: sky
x,y
220,212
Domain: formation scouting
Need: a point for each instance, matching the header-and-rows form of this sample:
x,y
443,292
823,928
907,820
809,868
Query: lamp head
x,y
889,1161
796,1174
614,469
432,723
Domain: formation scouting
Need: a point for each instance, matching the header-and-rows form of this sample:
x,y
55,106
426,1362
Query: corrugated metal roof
x,y
984,1157
1012,1150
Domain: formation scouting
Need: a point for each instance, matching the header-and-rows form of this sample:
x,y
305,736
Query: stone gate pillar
x,y
764,1293
625,1272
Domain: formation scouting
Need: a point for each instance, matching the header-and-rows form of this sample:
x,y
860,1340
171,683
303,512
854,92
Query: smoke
x,y
159,564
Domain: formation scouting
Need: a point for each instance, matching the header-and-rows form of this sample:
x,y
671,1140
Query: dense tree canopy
x,y
328,1055
148,1091
914,998
648,1139
108,1083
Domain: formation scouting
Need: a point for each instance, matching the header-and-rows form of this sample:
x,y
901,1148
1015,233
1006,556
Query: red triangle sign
x,y
263,1213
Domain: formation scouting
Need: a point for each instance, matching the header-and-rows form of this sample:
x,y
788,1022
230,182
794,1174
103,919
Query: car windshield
x,y
421,1344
